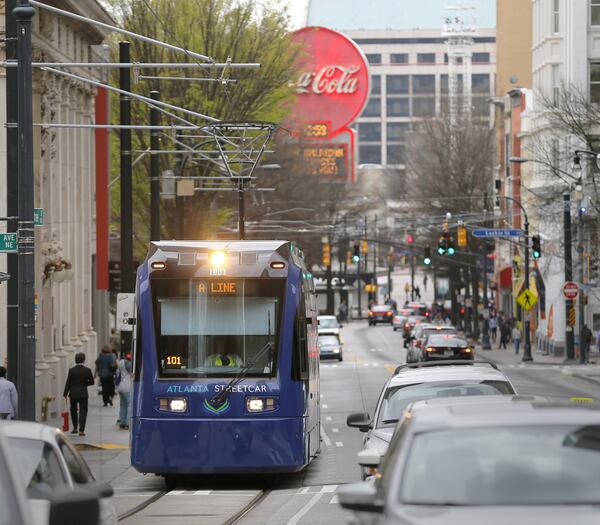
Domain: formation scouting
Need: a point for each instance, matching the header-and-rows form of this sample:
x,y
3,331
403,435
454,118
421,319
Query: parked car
x,y
330,346
48,462
485,460
380,313
421,333
416,382
328,324
445,346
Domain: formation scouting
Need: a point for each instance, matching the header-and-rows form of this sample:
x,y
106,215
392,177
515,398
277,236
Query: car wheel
x,y
340,359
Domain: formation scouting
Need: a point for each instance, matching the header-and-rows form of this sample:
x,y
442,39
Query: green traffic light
x,y
355,258
427,260
536,254
441,250
451,250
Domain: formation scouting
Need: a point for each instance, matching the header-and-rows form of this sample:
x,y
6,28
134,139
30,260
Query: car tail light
x,y
467,350
406,325
370,314
389,313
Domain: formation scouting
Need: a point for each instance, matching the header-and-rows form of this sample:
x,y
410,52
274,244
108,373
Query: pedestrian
x,y
418,292
8,397
516,337
123,381
343,312
504,328
425,278
493,324
587,341
76,389
407,290
106,366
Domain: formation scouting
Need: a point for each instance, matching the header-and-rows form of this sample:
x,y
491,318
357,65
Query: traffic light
x,y
536,246
364,246
356,252
348,257
427,256
410,238
442,246
326,254
450,249
461,236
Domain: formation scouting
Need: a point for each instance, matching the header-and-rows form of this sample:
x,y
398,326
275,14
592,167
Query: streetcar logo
x,y
221,409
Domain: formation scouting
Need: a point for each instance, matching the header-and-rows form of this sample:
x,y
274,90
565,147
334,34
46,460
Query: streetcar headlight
x,y
217,259
260,404
173,404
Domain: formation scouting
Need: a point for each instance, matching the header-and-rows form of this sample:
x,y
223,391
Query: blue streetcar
x,y
226,359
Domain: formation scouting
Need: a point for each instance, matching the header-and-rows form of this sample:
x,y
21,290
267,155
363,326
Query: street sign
x,y
527,299
38,216
501,232
8,242
570,290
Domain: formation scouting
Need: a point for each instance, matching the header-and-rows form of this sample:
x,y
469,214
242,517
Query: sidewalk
x,y
105,447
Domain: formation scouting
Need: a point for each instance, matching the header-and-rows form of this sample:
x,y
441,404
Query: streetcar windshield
x,y
215,328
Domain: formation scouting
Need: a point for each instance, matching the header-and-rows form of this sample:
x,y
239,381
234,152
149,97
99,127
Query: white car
x,y
48,462
328,324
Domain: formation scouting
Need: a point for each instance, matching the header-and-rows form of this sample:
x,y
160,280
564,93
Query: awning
x,y
506,277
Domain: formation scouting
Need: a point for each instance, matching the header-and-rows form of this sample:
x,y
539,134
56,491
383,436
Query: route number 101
x,y
173,360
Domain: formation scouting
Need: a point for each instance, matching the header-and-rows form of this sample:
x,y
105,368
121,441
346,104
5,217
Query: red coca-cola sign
x,y
333,83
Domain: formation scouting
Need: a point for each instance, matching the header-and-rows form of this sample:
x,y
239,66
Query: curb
x,y
583,377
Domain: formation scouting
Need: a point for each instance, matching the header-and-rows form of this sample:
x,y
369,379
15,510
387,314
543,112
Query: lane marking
x,y
328,418
335,430
325,437
328,488
304,490
391,369
339,444
311,503
334,500
202,492
324,406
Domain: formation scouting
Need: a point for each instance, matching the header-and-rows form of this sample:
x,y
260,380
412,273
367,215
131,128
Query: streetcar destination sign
x,y
8,242
500,232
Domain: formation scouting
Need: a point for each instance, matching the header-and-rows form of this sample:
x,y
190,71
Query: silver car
x,y
426,381
495,460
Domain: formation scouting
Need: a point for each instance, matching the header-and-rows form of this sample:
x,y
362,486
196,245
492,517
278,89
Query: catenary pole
x,y
12,192
26,243
154,170
127,284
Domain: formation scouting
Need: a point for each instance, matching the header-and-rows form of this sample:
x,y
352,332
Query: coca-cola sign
x,y
333,84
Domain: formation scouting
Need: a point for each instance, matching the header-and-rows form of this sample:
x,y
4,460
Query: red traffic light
x,y
410,239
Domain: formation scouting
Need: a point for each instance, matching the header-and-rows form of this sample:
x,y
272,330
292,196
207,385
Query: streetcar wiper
x,y
218,399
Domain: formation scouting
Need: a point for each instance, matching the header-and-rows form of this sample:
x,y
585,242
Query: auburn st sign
x,y
333,85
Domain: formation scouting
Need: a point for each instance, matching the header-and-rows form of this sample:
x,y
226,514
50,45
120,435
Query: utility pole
x,y
12,191
241,210
581,297
154,171
485,338
412,276
569,335
25,234
527,347
467,303
375,260
127,284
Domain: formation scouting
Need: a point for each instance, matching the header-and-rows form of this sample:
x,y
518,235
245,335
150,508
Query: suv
x,y
428,380
328,324
485,460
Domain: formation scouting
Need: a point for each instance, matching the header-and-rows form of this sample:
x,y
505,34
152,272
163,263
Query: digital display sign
x,y
315,130
218,287
326,160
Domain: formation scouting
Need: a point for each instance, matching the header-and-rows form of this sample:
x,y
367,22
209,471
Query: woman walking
x,y
124,389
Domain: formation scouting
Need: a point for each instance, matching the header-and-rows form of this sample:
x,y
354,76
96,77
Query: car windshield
x,y
447,340
514,465
215,328
328,322
396,399
329,340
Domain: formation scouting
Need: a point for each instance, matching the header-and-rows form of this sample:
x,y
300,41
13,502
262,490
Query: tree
x,y
246,32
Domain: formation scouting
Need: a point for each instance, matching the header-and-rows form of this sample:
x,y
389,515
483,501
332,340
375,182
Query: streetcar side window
x,y
137,348
300,362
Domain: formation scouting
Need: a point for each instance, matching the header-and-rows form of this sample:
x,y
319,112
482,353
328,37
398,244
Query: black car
x,y
380,313
330,347
446,346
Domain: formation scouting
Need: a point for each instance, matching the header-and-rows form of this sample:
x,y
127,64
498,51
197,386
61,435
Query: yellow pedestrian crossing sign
x,y
527,299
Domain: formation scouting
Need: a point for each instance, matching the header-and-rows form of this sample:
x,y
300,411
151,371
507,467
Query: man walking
x,y
8,397
106,366
76,388
587,341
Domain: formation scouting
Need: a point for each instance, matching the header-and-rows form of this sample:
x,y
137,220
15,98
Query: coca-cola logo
x,y
329,80
333,84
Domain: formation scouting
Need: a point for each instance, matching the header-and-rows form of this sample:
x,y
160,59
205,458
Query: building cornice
x,y
90,9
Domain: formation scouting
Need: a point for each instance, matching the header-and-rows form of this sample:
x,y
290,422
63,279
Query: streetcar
x,y
226,360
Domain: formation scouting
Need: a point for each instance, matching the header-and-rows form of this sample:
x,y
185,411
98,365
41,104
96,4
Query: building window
x,y
398,107
369,132
480,84
556,16
423,84
396,154
595,16
425,58
444,84
424,107
369,154
481,58
555,84
481,107
375,85
397,84
400,58
396,131
373,58
373,108
595,82
459,60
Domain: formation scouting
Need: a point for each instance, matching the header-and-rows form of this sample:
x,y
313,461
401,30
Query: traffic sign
x,y
570,290
497,232
38,216
8,242
527,299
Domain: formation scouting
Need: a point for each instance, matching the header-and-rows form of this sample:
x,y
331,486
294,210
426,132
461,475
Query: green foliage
x,y
241,30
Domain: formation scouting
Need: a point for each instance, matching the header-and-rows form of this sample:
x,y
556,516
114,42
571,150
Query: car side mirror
x,y
360,497
360,420
76,505
368,458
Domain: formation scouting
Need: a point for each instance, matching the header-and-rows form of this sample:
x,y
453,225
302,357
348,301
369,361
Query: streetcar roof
x,y
225,245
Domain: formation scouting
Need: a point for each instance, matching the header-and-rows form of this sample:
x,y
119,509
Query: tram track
x,y
255,502
138,508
